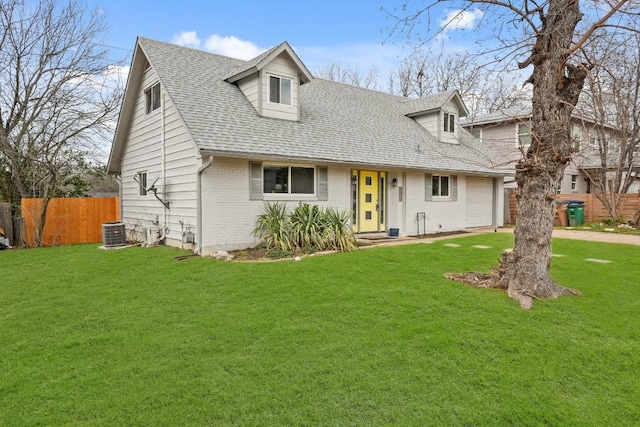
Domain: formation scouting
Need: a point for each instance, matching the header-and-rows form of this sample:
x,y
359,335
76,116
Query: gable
x,y
440,115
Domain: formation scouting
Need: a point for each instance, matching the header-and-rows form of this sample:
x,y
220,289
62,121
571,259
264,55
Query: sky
x,y
352,33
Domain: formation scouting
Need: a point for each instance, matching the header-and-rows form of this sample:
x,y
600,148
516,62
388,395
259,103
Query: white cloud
x,y
233,47
187,39
459,19
223,45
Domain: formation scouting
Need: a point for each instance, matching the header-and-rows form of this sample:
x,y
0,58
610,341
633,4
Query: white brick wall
x,y
229,216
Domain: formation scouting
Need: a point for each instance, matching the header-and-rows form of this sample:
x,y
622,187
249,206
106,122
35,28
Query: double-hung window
x,y
142,183
288,179
440,186
280,90
449,122
524,135
152,96
574,182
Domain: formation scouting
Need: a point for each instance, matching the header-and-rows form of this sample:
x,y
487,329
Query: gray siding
x,y
143,152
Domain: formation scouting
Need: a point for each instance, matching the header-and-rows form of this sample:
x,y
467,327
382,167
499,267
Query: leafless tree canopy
x,y
349,74
56,97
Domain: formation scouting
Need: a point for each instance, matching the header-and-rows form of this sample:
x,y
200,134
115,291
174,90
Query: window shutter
x,y
454,188
255,181
428,187
323,184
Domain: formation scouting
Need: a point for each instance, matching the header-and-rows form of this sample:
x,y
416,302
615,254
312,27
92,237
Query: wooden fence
x,y
70,220
594,210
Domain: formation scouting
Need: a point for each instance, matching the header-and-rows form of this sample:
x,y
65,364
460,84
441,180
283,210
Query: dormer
x,y
271,82
440,114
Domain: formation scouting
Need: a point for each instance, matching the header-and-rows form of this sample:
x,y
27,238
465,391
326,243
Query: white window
x,y
288,179
440,186
142,183
152,96
574,182
280,90
524,135
577,138
449,122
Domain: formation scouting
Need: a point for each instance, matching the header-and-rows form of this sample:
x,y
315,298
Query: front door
x,y
370,196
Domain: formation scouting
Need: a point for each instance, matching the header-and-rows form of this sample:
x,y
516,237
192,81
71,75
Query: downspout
x,y
120,204
163,232
201,169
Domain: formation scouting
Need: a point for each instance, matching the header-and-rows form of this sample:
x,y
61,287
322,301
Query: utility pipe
x,y
201,169
163,159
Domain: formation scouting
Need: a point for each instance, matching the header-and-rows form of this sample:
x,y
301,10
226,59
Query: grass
x,y
374,337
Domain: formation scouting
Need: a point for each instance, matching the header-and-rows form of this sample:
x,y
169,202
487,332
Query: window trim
x,y
320,182
433,188
453,189
142,183
449,122
153,98
574,182
289,166
520,135
279,93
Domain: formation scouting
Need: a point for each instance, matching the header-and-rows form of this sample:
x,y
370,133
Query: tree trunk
x,y
557,84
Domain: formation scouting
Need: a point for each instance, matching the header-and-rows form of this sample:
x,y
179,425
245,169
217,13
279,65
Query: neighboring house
x,y
507,133
204,141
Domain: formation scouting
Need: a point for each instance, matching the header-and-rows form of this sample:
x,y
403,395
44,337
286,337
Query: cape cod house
x,y
203,141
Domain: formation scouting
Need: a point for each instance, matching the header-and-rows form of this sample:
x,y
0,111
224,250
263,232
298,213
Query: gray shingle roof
x,y
338,124
507,114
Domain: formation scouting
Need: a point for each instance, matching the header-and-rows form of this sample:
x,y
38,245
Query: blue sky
x,y
349,33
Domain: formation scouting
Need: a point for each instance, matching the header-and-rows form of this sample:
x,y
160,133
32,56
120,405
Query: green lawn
x,y
375,337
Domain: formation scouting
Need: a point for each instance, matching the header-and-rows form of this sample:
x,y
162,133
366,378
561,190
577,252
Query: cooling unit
x,y
114,234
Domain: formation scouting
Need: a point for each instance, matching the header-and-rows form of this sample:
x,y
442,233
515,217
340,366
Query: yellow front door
x,y
370,202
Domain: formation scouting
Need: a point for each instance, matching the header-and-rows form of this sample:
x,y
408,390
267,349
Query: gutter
x,y
201,169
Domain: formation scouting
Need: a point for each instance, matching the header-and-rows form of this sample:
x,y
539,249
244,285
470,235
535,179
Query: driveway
x,y
592,236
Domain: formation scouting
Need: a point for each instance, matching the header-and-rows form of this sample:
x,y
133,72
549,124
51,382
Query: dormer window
x,y
152,96
280,90
449,122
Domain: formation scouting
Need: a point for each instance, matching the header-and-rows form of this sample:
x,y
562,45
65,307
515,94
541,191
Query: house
x,y
507,133
204,141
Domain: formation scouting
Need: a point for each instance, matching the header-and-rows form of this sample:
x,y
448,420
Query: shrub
x,y
307,225
337,232
273,227
308,228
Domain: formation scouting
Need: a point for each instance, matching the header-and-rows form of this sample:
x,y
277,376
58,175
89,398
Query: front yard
x,y
373,337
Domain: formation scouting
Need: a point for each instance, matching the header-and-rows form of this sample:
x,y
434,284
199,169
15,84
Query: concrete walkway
x,y
593,236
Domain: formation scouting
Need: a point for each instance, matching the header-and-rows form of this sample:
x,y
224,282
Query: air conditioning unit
x,y
151,236
114,234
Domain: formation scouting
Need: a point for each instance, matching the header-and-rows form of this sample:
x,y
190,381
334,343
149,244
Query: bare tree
x,y
484,90
612,99
55,100
351,75
553,34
